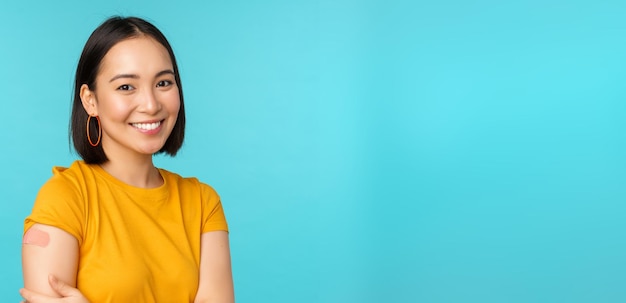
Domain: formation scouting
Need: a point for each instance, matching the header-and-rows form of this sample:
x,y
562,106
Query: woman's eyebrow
x,y
164,72
133,76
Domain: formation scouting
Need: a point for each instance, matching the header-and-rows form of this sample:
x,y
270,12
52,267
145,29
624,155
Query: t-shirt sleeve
x,y
213,218
58,204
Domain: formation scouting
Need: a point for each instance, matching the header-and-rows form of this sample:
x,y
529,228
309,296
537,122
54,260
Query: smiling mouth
x,y
147,126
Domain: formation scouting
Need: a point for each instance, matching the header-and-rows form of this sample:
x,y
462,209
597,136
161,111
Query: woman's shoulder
x,y
77,171
187,182
66,187
68,178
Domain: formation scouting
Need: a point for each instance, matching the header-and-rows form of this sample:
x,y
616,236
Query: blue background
x,y
366,151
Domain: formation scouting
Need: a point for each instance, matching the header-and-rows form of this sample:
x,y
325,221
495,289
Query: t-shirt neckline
x,y
155,193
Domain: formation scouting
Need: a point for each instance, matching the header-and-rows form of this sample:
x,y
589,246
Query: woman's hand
x,y
68,293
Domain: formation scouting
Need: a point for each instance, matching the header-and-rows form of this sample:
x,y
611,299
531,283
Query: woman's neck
x,y
134,170
142,175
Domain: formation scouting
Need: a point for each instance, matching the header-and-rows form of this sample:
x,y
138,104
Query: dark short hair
x,y
108,34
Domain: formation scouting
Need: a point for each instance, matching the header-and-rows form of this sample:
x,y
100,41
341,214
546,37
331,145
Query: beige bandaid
x,y
36,237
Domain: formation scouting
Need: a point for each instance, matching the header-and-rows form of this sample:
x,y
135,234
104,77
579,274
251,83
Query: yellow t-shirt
x,y
136,245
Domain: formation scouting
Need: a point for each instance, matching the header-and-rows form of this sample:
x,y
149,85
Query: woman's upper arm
x,y
216,279
48,250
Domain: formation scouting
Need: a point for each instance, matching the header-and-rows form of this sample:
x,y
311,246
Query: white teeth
x,y
147,126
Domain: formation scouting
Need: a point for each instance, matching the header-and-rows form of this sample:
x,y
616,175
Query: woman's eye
x,y
125,87
164,83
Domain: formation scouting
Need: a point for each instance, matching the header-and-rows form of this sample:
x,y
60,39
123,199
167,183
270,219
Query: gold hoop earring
x,y
99,131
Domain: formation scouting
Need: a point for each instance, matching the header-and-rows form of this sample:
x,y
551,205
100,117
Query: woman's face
x,y
136,98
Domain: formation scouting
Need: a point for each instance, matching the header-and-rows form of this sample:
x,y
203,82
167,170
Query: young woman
x,y
113,227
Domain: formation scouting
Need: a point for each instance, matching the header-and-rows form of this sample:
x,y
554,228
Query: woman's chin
x,y
150,150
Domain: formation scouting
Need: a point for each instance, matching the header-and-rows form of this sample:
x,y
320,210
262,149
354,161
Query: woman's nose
x,y
149,102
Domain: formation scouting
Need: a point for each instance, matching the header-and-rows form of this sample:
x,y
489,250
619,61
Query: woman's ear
x,y
88,98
